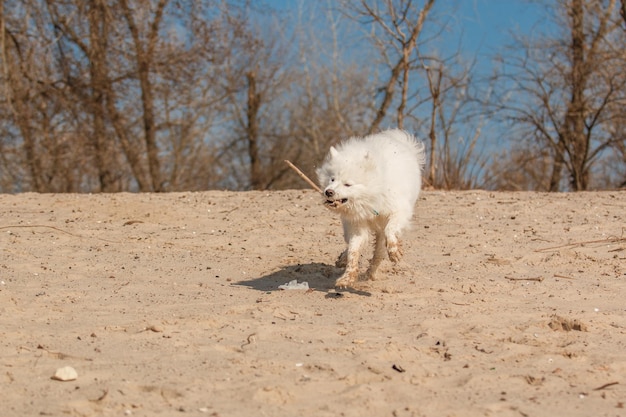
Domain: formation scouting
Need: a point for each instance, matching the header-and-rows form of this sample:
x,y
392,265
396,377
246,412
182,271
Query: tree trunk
x,y
575,118
149,125
405,87
435,90
144,56
389,90
23,117
252,132
557,167
133,156
402,64
98,74
18,98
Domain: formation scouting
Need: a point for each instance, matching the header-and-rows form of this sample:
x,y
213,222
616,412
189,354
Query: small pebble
x,y
155,328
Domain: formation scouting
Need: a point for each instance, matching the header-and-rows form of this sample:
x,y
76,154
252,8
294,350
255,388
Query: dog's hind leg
x,y
356,239
394,250
379,255
342,260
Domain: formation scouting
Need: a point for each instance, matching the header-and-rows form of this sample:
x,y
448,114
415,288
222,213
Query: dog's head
x,y
345,178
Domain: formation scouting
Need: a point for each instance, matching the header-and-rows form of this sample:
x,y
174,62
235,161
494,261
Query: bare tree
x,y
37,146
20,90
520,169
91,93
111,95
145,45
333,97
252,130
400,25
435,79
425,89
93,38
454,122
291,96
255,80
560,91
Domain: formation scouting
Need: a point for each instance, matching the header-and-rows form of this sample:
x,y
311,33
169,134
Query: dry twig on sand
x,y
538,279
609,384
612,239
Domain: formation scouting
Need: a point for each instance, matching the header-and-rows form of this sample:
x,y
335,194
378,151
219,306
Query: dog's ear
x,y
333,152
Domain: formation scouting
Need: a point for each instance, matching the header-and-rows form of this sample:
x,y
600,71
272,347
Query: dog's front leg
x,y
356,240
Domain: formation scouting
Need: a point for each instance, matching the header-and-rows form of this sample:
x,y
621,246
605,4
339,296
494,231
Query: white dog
x,y
373,183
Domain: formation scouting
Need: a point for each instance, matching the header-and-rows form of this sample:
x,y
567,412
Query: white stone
x,y
67,373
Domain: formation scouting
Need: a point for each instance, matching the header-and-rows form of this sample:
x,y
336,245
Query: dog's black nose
x,y
329,193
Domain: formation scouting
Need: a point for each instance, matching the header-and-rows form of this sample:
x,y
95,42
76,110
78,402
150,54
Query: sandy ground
x,y
505,304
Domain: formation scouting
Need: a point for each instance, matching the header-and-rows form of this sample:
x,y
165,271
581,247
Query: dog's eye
x,y
332,180
347,184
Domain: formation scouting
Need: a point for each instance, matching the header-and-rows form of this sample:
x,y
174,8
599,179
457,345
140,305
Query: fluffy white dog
x,y
373,183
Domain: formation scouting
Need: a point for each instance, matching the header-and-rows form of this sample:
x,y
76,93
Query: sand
x,y
505,304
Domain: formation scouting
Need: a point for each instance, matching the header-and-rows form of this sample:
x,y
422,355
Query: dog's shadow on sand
x,y
319,276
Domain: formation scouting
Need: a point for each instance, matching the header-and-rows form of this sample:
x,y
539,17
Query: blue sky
x,y
477,29
485,25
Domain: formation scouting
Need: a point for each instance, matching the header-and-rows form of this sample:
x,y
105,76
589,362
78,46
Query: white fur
x,y
373,183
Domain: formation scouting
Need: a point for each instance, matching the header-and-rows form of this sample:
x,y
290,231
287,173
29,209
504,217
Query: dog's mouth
x,y
335,203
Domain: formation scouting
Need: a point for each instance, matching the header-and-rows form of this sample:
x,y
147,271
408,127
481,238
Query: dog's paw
x,y
371,275
345,281
395,252
342,260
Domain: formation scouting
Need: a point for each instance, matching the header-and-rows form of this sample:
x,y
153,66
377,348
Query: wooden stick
x,y
606,386
562,276
539,279
304,177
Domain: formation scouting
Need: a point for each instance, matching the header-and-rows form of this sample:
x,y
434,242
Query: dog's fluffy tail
x,y
416,145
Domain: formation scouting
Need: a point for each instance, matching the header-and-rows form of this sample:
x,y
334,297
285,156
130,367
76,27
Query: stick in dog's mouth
x,y
328,203
335,203
304,177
